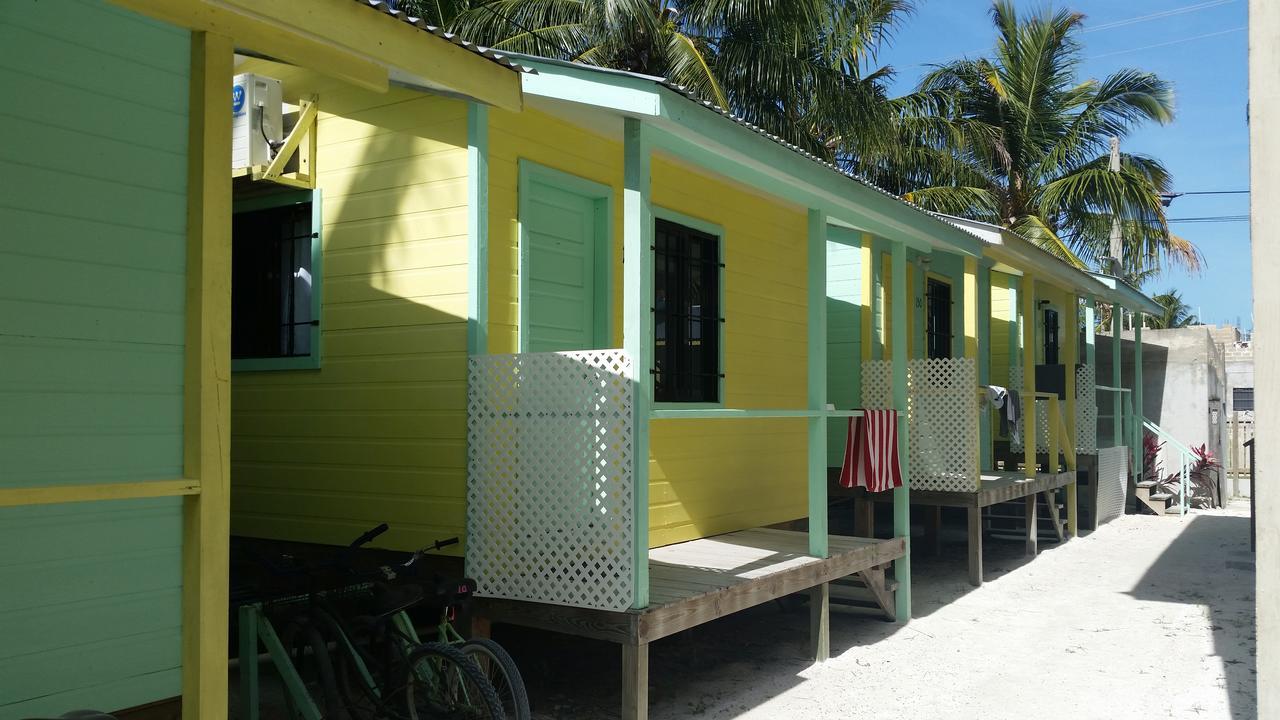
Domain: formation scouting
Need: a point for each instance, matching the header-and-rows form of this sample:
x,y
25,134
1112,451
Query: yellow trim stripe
x,y
53,494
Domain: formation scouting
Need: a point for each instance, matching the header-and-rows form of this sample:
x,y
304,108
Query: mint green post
x,y
477,228
637,334
817,382
1117,376
984,360
1090,334
1139,416
902,495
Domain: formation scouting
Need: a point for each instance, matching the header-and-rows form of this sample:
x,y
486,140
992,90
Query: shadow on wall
x,y
378,433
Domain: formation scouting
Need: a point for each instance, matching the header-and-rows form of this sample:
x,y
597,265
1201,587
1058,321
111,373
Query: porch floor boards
x,y
697,581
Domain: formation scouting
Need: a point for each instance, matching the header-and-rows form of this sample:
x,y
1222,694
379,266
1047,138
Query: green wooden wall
x,y
92,211
844,334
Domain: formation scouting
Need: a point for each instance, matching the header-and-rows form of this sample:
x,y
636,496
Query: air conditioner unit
x,y
255,120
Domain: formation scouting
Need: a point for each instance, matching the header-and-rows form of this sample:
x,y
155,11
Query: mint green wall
x,y
92,210
844,335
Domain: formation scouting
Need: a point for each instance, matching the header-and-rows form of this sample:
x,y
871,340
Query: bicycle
x,y
382,669
494,661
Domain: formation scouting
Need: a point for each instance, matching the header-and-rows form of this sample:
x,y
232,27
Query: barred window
x,y
686,322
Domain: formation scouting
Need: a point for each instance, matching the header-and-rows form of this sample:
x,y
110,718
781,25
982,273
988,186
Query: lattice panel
x,y
877,384
550,514
1113,482
1042,417
1086,410
943,417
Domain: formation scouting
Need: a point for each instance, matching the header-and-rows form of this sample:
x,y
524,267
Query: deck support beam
x,y
637,333
817,382
1032,529
901,495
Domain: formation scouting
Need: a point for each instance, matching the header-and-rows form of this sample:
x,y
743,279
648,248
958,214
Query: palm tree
x,y
802,69
1176,313
1020,142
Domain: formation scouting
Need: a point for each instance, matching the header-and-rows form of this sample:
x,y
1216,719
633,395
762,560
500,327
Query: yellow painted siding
x,y
379,432
706,476
1002,319
548,141
713,476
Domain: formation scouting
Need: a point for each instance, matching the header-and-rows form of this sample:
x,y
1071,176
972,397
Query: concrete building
x,y
1185,385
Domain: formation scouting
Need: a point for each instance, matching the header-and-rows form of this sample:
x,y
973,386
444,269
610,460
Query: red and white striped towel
x,y
871,452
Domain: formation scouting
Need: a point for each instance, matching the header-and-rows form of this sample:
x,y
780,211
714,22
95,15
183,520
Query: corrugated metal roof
x,y
693,97
496,56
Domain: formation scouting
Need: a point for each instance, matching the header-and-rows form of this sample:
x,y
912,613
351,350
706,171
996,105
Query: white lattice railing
x,y
942,419
550,514
1086,418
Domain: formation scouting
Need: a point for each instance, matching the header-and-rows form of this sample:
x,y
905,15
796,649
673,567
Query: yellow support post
x,y
1027,299
206,531
866,263
971,342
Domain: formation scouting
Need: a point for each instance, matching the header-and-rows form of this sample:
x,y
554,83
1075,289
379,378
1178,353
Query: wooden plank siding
x,y
378,433
93,202
706,476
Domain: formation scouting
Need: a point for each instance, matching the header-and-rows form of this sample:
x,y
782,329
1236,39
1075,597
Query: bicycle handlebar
x,y
370,535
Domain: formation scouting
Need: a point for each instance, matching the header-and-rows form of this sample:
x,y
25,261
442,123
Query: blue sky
x,y
1201,47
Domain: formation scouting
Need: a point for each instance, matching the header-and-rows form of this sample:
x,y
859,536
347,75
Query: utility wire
x,y
1170,42
1210,219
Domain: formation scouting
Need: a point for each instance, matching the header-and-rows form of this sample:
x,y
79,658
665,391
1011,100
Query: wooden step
x,y
1148,484
1161,497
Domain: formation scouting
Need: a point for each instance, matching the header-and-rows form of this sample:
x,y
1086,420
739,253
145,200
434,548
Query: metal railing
x,y
1186,460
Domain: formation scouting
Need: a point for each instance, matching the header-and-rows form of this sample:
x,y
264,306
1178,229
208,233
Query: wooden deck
x,y
694,582
996,487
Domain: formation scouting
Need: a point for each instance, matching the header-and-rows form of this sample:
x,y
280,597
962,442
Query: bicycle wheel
x,y
441,681
501,670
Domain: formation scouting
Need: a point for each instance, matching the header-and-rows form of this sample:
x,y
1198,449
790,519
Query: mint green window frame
x,y
602,197
301,362
710,228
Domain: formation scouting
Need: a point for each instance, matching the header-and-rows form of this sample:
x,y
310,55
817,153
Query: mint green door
x,y
559,231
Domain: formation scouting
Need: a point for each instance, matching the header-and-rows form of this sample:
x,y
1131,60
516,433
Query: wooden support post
x,y
820,622
1033,534
933,529
817,382
635,681
1073,509
1071,352
1051,504
1053,413
248,655
985,435
864,516
873,579
973,346
901,495
480,626
1139,413
975,545
1030,432
1117,375
477,228
206,530
637,334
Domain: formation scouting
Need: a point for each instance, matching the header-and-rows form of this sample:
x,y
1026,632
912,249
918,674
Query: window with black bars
x,y
1242,399
937,304
271,282
686,314
1050,337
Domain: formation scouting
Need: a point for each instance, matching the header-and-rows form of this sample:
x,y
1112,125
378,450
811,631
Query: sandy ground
x,y
1148,617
